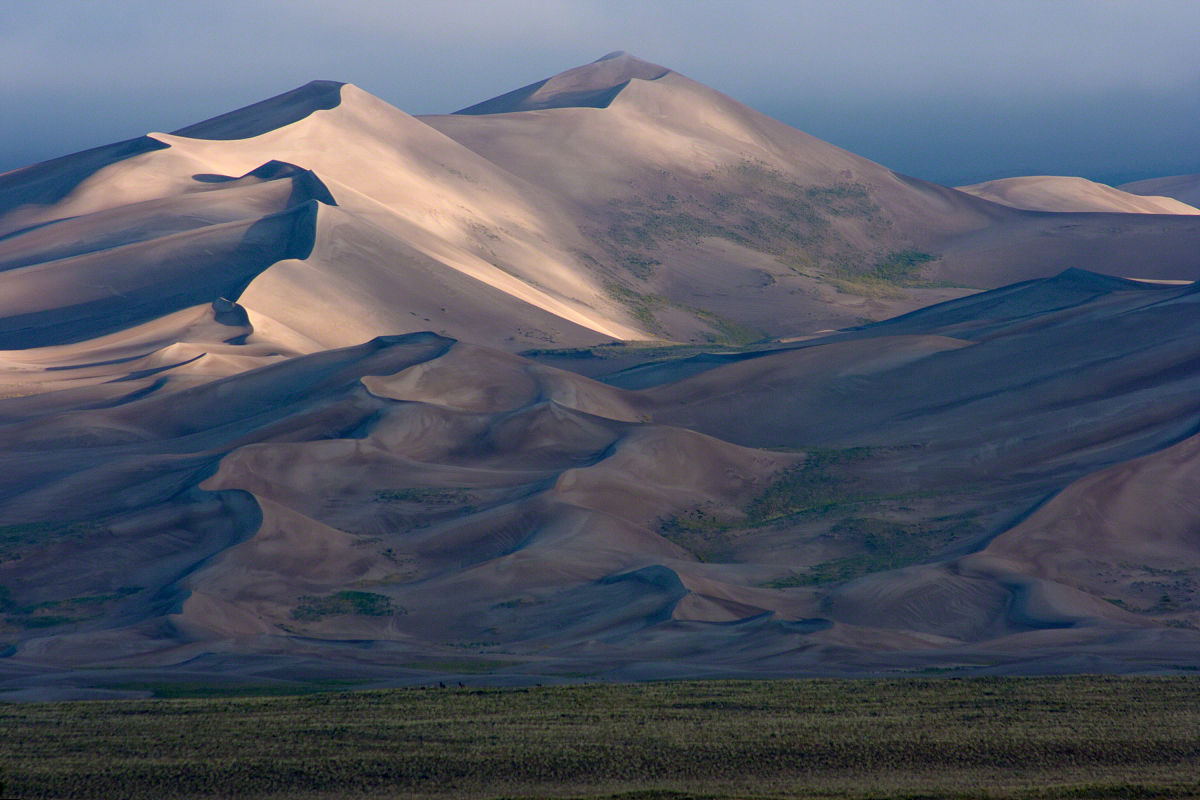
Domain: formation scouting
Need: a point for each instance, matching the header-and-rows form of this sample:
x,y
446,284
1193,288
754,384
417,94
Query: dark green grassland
x,y
1070,737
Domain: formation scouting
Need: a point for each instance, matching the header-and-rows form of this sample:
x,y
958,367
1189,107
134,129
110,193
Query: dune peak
x,y
1077,277
270,114
593,85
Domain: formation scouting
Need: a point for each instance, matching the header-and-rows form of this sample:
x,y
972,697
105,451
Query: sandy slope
x,y
1184,188
1097,536
1060,193
654,166
703,203
432,186
592,85
686,130
582,526
448,208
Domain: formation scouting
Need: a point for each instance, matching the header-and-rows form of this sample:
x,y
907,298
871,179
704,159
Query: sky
x,y
953,91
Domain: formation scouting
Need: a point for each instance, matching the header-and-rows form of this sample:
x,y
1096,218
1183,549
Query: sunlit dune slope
x,y
1184,188
1060,193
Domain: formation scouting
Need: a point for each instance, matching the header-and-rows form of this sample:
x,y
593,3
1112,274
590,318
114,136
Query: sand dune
x,y
1096,536
48,183
102,291
590,86
1058,193
268,115
319,382
1184,188
582,243
446,201
327,300
405,178
562,513
704,204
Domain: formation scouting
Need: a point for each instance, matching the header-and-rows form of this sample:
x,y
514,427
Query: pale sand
x,y
1184,188
1060,193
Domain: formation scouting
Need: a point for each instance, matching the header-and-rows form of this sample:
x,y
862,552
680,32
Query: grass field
x,y
1079,737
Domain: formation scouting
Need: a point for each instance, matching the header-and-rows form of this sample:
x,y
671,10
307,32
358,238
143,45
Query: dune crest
x,y
592,85
268,115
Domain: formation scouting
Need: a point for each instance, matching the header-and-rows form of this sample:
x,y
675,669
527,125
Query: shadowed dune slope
x,y
94,293
1010,370
276,112
965,483
50,181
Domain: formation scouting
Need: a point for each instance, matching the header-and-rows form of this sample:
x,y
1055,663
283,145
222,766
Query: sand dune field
x,y
607,377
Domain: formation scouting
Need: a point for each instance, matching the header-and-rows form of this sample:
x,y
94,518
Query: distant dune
x,y
1184,188
1059,193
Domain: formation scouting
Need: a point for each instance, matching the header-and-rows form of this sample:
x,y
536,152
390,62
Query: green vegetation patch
x,y
826,486
818,484
702,532
887,544
426,496
173,690
757,207
362,604
16,540
640,266
901,266
52,613
645,352
1090,737
641,306
761,208
726,331
900,269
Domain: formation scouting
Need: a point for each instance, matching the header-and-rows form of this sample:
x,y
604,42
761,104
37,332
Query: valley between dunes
x,y
609,377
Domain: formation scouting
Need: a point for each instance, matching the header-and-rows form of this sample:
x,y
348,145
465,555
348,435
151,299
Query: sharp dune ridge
x,y
593,85
608,376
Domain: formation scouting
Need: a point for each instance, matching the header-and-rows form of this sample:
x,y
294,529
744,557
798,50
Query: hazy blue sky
x,y
949,90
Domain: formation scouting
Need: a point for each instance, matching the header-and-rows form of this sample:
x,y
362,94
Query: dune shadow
x,y
212,177
198,272
276,112
50,181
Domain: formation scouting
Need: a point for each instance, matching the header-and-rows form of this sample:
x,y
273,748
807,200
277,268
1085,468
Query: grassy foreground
x,y
1076,737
